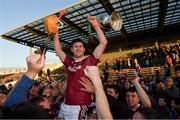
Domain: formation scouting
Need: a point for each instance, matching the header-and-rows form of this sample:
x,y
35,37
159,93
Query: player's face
x,y
78,49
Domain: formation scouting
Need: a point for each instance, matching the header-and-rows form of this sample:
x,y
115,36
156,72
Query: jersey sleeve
x,y
67,60
93,60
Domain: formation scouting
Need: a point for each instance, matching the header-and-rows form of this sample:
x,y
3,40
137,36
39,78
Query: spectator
x,y
33,92
173,112
162,109
48,91
117,64
144,113
169,61
2,99
122,91
17,98
10,86
171,91
177,76
134,96
106,75
113,91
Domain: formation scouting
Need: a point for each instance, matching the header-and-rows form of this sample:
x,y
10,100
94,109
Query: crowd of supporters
x,y
151,57
153,96
162,87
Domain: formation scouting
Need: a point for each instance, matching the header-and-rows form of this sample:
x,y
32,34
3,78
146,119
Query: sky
x,y
15,13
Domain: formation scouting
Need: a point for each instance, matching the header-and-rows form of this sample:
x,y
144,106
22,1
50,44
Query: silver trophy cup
x,y
113,21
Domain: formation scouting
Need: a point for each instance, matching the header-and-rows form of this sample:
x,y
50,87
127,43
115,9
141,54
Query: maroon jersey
x,y
75,70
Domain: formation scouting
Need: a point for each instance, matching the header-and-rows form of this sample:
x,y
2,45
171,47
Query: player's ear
x,y
71,49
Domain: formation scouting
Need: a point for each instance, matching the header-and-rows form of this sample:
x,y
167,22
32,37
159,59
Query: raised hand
x,y
93,73
87,85
102,106
62,12
93,21
135,75
35,63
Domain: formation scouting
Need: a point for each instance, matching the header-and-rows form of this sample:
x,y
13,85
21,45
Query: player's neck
x,y
77,59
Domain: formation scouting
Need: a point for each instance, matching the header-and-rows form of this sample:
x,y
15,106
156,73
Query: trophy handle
x,y
60,23
62,12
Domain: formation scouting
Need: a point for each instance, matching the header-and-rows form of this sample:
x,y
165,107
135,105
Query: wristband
x,y
96,25
134,78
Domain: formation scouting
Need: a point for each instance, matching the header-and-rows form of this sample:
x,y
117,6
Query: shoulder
x,y
69,58
92,56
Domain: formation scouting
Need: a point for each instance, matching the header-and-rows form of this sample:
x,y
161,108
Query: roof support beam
x,y
79,29
107,6
162,13
22,42
38,32
35,31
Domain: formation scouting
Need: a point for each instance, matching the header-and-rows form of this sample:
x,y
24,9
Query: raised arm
x,y
20,92
58,49
140,91
102,39
102,105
